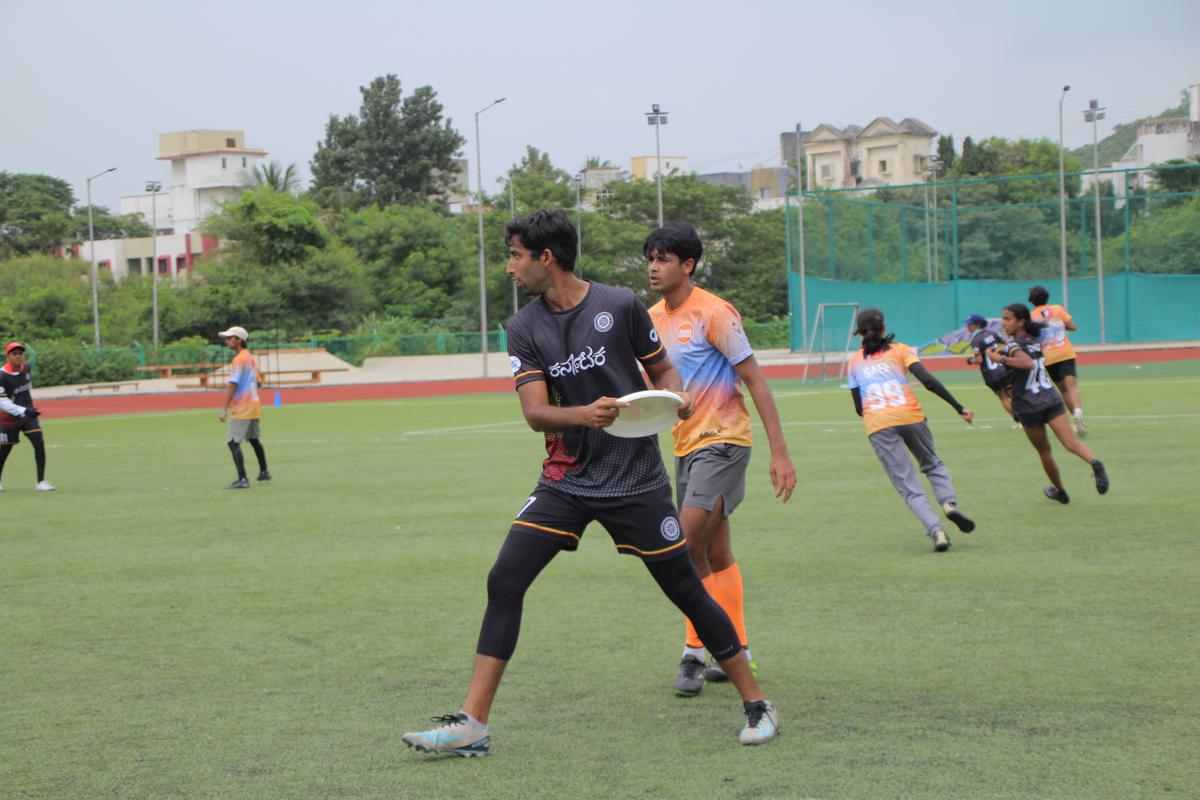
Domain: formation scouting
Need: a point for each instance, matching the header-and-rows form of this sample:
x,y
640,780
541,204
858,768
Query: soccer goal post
x,y
836,330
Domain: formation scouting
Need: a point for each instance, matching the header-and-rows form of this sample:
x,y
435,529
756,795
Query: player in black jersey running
x,y
17,414
1036,403
574,350
995,376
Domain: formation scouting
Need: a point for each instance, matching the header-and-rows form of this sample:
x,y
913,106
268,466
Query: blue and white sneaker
x,y
762,722
456,735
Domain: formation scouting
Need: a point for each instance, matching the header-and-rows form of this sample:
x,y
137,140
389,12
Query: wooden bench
x,y
116,387
271,378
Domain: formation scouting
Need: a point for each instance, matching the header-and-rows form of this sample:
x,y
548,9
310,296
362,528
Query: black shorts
x,y
10,435
1037,419
643,525
1061,370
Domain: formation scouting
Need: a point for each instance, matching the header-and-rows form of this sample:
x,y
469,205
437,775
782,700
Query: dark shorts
x,y
1037,419
643,525
1061,370
11,434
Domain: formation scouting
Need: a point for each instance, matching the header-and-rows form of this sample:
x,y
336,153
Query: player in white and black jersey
x,y
1036,403
574,350
995,376
17,414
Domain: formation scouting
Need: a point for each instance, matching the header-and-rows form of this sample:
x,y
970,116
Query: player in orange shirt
x,y
243,407
703,337
1058,353
896,425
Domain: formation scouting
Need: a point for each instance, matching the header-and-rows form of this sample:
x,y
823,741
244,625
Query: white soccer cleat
x,y
762,723
45,486
456,735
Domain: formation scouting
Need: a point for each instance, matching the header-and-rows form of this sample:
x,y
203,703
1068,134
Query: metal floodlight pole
x,y
1094,114
512,214
153,187
483,343
800,230
578,223
1062,197
657,117
92,248
936,162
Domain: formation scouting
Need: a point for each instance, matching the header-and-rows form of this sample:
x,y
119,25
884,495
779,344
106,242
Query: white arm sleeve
x,y
10,407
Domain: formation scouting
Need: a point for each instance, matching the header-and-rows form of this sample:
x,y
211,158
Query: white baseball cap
x,y
236,330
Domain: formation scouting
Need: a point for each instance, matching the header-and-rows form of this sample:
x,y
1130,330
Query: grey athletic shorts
x,y
242,429
718,470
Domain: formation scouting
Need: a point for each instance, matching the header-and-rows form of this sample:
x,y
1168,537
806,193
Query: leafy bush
x,y
58,363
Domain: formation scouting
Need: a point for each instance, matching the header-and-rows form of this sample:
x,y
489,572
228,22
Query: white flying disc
x,y
649,412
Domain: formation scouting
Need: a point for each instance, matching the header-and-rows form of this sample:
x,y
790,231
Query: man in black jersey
x,y
995,376
574,350
17,414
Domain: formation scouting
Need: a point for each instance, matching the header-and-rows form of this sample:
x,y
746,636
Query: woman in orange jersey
x,y
896,425
1055,322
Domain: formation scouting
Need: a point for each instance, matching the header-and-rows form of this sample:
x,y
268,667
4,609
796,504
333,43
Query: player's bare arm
x,y
228,399
663,375
545,417
783,472
1016,358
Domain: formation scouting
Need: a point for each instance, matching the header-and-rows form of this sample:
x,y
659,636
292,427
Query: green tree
x,y
275,175
1180,175
945,150
267,227
397,150
105,225
537,183
35,213
1167,239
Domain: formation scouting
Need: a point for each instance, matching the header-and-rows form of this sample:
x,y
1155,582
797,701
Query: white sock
x,y
1079,412
473,721
695,652
748,656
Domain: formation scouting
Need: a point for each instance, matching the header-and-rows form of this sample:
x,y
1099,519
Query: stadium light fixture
x,y
92,247
578,223
657,117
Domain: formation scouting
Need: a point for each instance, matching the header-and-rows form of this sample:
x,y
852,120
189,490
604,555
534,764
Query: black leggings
x,y
523,556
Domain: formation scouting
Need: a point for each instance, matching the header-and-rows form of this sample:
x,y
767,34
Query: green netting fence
x,y
931,253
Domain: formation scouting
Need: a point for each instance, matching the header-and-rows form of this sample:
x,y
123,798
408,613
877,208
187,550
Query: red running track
x,y
177,401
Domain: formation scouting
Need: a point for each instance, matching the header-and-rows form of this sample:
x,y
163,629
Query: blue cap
x,y
976,319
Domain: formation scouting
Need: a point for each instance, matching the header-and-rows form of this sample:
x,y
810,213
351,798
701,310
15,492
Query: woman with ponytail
x,y
1036,403
896,426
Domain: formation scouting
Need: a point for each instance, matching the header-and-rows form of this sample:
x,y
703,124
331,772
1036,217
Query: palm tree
x,y
276,176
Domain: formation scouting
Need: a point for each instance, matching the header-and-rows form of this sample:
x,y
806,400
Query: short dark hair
x,y
677,238
1038,295
546,229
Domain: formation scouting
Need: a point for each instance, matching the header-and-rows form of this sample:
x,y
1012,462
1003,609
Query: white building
x,y
208,168
1159,140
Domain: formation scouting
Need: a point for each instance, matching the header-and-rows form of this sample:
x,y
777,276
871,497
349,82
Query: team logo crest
x,y
603,321
684,333
670,529
515,363
653,335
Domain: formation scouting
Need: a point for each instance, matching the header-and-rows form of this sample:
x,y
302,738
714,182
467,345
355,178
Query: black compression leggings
x,y
523,556
39,453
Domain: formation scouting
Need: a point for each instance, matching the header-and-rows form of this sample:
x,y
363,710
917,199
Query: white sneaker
x,y
456,735
762,723
941,542
45,486
1079,426
1,487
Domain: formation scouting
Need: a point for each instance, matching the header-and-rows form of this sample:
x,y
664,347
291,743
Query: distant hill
x,y
1113,146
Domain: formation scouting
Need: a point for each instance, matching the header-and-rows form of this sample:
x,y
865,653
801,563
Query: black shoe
x,y
264,475
691,677
964,523
1101,476
240,483
1056,494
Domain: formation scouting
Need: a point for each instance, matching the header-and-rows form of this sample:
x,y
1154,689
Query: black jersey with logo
x,y
583,353
993,373
16,386
1032,389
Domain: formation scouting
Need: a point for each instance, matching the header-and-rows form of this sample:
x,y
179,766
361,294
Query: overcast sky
x,y
89,85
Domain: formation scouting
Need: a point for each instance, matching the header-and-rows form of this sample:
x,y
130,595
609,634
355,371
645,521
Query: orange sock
x,y
693,638
727,590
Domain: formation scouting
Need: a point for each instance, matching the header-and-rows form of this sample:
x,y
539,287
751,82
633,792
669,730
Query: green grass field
x,y
161,637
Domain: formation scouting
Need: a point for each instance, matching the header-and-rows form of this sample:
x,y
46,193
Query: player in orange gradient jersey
x,y
704,338
896,426
1058,353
